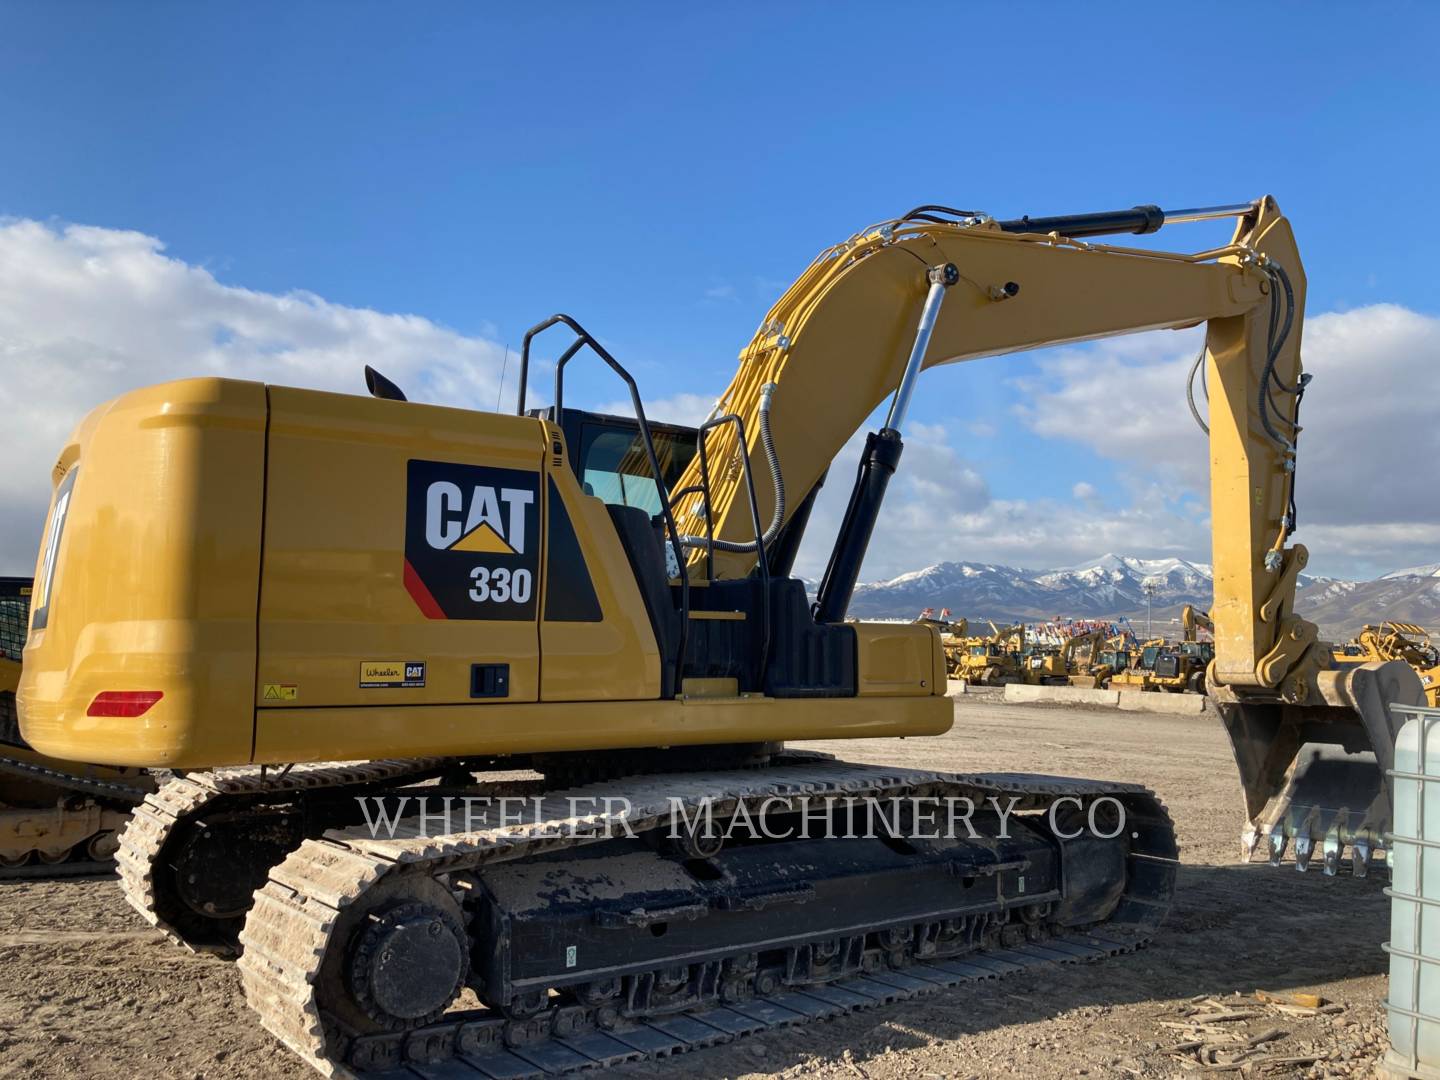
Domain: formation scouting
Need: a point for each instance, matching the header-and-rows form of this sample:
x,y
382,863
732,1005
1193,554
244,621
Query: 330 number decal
x,y
499,586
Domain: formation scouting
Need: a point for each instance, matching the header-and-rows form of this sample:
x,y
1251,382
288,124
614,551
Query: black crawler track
x,y
181,803
472,1051
299,923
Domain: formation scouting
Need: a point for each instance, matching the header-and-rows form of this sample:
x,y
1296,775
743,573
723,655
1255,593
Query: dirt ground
x,y
86,990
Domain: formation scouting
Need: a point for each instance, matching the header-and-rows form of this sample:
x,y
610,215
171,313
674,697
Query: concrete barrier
x,y
1176,704
955,687
1060,695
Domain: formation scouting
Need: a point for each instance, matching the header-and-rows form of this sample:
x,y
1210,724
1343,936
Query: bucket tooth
x,y
1304,848
1332,849
1360,856
1277,843
1249,842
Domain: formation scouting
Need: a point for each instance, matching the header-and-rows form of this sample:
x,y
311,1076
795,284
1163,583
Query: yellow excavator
x,y
1397,641
324,607
1054,665
1192,621
57,818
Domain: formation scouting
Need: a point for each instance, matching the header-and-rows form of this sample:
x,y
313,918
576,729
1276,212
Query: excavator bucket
x,y
1317,775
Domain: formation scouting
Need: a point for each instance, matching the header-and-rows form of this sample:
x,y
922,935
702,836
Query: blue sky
x,y
662,172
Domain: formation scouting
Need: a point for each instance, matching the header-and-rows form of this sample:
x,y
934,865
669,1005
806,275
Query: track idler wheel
x,y
403,958
408,965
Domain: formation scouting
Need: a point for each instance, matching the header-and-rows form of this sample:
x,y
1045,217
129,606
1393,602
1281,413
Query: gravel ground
x,y
86,990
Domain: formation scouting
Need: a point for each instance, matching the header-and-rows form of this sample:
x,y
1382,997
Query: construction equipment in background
x,y
990,660
1053,665
1141,669
1192,621
1397,641
1162,666
1181,668
1112,658
433,590
952,636
56,818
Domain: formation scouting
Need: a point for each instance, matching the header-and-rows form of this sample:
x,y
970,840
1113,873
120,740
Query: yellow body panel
x,y
899,659
313,734
248,550
148,593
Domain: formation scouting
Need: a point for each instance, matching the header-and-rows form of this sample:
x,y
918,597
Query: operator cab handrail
x,y
584,338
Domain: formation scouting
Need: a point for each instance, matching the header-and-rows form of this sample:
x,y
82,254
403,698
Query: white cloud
x,y
1369,435
1085,491
691,409
87,313
939,507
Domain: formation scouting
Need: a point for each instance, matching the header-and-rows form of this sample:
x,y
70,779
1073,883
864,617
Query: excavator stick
x,y
1317,774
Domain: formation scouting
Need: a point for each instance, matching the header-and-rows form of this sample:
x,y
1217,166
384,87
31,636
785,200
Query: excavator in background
x,y
1397,641
1193,621
57,818
1053,665
248,582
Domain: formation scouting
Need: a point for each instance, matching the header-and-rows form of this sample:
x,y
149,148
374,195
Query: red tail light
x,y
123,702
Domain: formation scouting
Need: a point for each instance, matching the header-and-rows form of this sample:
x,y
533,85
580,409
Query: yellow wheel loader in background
x,y
56,818
328,606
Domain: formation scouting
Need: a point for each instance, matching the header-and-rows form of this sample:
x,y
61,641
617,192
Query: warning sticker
x,y
280,692
391,674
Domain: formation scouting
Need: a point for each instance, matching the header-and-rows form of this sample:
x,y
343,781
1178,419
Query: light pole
x,y
1149,586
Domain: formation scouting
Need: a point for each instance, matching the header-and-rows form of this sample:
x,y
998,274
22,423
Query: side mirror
x,y
381,387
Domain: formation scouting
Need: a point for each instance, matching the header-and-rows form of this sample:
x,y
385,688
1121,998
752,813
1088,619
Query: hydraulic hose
x,y
777,519
1278,334
1190,392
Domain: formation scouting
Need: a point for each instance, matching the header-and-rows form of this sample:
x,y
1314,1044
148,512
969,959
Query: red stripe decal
x,y
420,594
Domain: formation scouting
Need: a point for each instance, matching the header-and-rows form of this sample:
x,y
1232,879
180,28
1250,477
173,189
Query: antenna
x,y
503,365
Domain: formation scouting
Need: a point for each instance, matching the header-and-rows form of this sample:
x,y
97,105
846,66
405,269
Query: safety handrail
x,y
762,563
584,338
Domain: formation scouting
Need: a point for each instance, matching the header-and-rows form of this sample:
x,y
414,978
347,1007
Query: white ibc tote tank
x,y
1414,945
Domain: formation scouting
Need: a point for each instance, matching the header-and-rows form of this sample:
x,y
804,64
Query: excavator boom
x,y
976,287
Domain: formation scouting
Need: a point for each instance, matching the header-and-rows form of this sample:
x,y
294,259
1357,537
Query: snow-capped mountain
x,y
1109,585
1433,570
1411,595
1114,585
